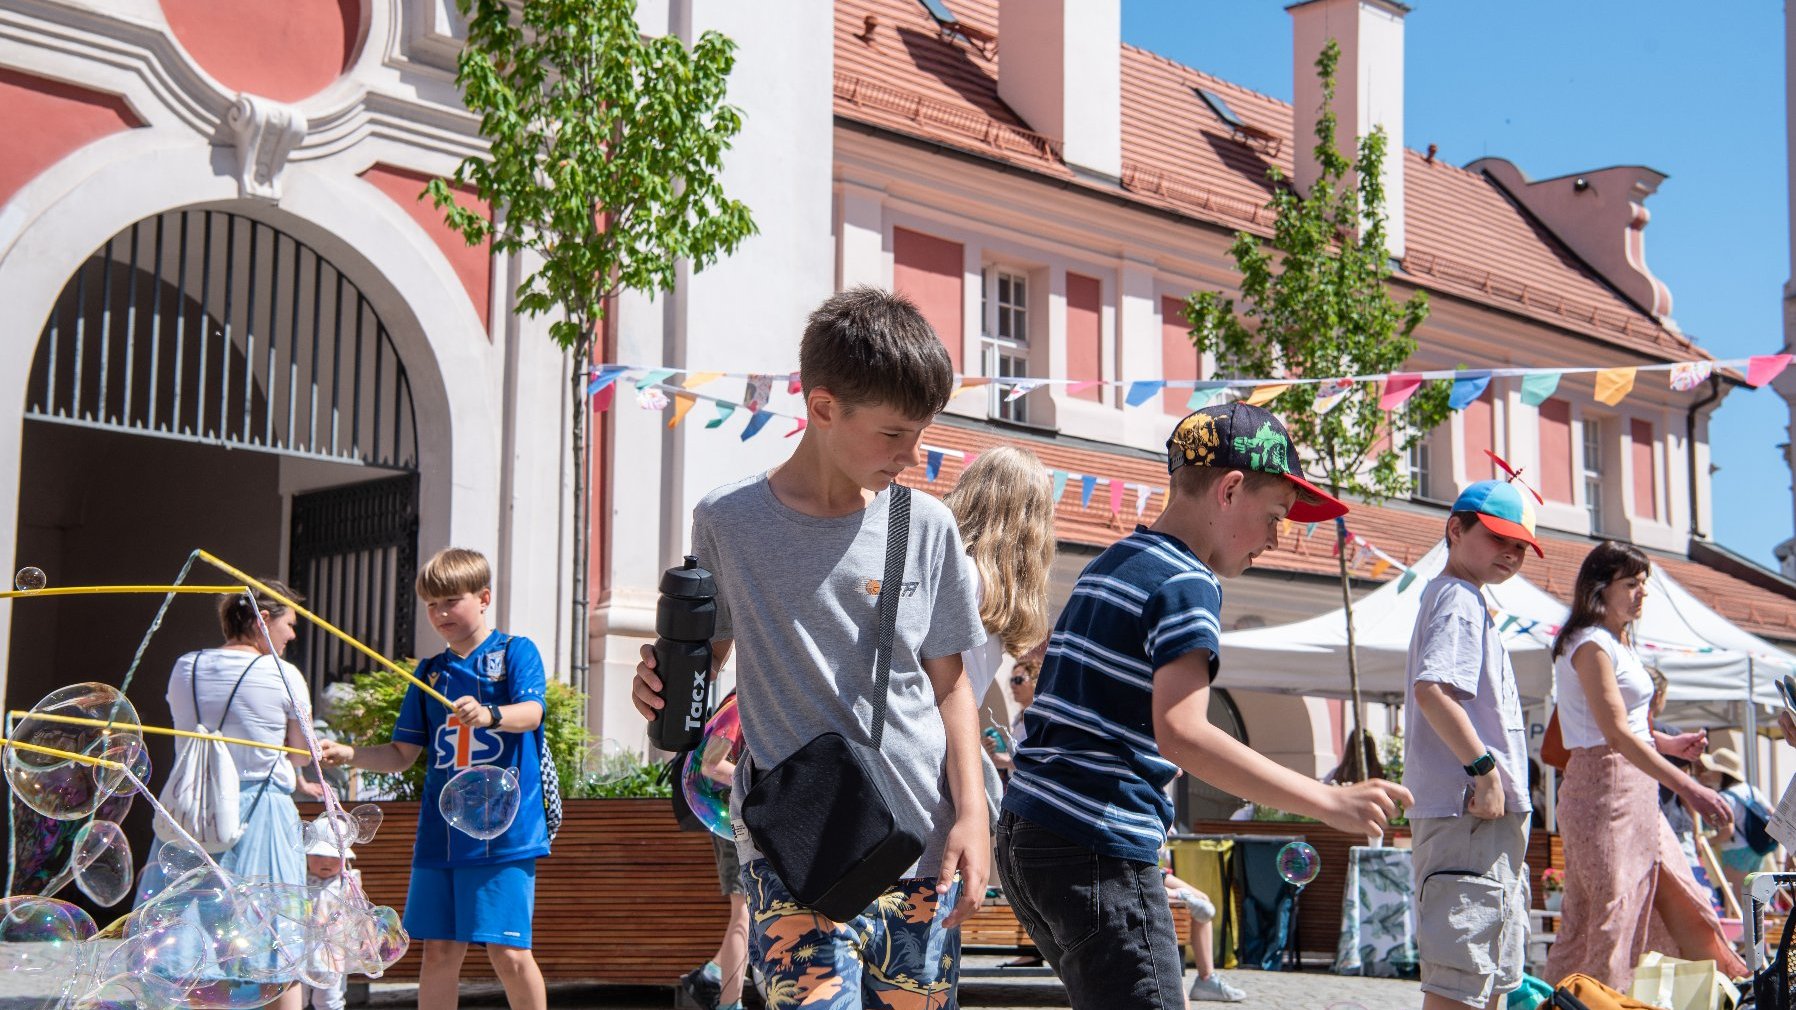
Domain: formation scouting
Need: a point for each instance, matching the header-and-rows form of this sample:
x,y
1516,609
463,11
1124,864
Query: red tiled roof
x,y
1465,238
1403,531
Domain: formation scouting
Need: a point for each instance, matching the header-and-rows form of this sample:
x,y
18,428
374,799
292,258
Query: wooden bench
x,y
995,926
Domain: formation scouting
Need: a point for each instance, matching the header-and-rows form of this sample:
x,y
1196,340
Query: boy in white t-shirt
x,y
1466,761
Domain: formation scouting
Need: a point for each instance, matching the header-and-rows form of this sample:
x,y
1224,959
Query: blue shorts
x,y
490,903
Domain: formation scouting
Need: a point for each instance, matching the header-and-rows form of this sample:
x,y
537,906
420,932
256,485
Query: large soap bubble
x,y
367,819
1298,863
708,798
102,862
42,944
60,787
481,801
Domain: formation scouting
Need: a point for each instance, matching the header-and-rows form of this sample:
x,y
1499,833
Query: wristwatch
x,y
1483,766
493,710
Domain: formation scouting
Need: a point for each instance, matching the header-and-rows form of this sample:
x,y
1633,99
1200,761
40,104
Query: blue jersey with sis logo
x,y
501,671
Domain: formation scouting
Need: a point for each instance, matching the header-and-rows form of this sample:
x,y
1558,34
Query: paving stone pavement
x,y
1308,990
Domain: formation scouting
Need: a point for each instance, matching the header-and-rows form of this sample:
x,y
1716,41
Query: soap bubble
x,y
607,762
334,830
59,787
1298,863
30,579
42,937
41,848
481,801
102,862
708,798
133,757
367,821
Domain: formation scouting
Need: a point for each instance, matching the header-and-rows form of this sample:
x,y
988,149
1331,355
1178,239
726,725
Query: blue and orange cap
x,y
1502,509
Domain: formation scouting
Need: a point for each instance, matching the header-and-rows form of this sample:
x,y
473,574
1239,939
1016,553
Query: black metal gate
x,y
354,554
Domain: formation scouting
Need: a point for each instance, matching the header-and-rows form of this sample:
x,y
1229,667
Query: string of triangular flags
x,y
1613,384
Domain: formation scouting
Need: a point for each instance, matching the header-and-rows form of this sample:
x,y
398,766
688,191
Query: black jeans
x,y
1104,923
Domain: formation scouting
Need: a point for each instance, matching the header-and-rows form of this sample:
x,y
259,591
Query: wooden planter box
x,y
626,897
1319,906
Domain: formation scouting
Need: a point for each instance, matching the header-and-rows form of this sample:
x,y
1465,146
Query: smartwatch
x,y
493,710
1483,766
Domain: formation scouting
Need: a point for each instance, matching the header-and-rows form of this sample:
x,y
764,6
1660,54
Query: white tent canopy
x,y
1710,662
1310,657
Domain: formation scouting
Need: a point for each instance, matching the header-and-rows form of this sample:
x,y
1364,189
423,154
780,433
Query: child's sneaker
x,y
1216,990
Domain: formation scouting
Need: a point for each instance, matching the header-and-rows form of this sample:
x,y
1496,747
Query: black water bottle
x,y
685,620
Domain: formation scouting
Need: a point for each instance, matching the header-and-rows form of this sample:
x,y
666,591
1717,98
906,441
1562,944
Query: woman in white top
x,y
1627,886
241,689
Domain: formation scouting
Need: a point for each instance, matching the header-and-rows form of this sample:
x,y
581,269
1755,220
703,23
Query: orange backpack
x,y
1581,992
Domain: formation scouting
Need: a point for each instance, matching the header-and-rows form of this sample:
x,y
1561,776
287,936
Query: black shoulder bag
x,y
822,817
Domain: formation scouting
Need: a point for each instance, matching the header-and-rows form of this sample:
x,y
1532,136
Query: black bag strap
x,y
897,544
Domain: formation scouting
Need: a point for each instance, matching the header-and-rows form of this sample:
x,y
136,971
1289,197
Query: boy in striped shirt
x,y
1122,704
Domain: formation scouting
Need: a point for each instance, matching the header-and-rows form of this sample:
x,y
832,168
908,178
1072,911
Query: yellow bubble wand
x,y
343,636
19,713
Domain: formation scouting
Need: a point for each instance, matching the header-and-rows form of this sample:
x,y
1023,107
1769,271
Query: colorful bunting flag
x,y
1539,387
1379,567
1262,395
683,402
1467,388
1409,576
1081,386
756,422
655,378
1330,394
797,427
607,375
969,382
1142,494
1205,394
1762,368
1021,389
1059,485
697,379
1687,375
1087,484
932,466
1309,531
756,392
1613,385
794,384
724,410
601,400
651,399
1116,495
1398,387
1143,391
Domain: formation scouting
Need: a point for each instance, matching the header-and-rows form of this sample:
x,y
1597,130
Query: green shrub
x,y
362,711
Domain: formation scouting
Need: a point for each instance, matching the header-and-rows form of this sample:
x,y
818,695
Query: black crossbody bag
x,y
822,817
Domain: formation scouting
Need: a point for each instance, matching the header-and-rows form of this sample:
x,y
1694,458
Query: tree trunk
x,y
1355,759
580,625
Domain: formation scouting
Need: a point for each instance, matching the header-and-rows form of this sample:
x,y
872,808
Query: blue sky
x,y
1560,87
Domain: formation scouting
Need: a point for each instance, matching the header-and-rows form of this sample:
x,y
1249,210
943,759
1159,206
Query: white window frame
x,y
1591,471
1004,334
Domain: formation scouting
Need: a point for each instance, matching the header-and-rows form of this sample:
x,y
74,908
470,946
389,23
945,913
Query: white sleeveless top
x,y
1575,721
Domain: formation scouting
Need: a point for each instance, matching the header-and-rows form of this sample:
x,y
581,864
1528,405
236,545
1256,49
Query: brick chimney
x,y
1368,89
1060,68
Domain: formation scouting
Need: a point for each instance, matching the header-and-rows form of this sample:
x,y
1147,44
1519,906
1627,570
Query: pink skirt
x,y
1623,868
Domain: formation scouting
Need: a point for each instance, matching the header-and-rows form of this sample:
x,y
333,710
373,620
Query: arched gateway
x,y
207,379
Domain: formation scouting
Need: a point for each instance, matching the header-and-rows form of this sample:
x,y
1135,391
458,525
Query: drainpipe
x,y
1690,448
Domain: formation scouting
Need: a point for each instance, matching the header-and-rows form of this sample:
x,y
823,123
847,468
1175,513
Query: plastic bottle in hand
x,y
685,620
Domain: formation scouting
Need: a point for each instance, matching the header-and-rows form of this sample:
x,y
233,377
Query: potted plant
x,y
1552,887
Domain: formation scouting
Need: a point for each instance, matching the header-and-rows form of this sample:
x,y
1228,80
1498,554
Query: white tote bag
x,y
202,793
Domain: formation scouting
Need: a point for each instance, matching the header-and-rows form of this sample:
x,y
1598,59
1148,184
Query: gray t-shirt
x,y
1456,644
799,595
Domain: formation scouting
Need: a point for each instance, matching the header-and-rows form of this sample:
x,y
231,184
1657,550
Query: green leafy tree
x,y
1314,301
605,151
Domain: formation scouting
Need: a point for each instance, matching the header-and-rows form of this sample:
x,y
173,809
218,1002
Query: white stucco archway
x,y
54,223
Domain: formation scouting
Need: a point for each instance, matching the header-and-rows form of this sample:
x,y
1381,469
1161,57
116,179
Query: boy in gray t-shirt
x,y
799,558
1466,761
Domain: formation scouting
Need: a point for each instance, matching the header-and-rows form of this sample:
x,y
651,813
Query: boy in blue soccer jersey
x,y
1122,703
465,889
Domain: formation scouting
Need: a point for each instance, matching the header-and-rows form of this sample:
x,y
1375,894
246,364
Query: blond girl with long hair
x,y
1006,518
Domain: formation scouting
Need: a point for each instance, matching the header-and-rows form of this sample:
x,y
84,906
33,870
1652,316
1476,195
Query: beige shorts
x,y
1472,904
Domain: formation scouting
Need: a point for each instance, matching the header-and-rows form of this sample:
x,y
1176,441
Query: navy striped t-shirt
x,y
1089,768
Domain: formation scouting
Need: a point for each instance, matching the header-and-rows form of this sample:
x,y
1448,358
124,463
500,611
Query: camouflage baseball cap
x,y
1239,436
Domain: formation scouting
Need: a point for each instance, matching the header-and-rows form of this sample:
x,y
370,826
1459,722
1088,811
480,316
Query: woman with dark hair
x,y
244,689
1625,877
